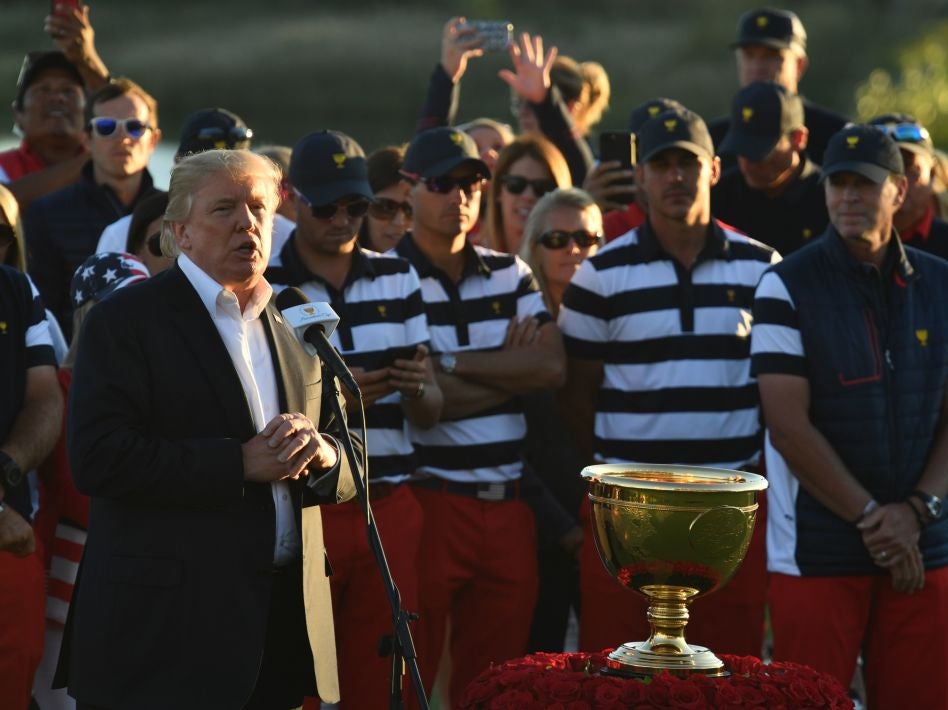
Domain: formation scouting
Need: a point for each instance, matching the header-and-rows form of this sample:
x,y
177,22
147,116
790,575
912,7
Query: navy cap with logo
x,y
328,165
674,129
864,150
651,108
761,113
906,131
438,151
213,129
34,64
780,29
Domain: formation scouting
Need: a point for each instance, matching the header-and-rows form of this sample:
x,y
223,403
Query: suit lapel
x,y
199,333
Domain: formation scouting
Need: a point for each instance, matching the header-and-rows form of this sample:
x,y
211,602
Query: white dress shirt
x,y
246,342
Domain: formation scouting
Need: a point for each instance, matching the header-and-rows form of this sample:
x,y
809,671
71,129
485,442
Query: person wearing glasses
x,y
917,223
493,340
383,337
564,228
390,212
849,355
63,228
526,170
776,192
657,323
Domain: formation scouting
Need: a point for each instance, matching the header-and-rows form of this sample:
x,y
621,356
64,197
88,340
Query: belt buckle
x,y
492,491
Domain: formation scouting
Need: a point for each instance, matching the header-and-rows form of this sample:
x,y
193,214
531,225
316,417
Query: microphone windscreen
x,y
289,297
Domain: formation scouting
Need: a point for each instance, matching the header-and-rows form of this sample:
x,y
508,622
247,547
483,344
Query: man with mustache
x,y
657,324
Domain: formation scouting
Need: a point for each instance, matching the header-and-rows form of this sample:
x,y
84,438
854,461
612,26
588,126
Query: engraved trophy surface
x,y
673,534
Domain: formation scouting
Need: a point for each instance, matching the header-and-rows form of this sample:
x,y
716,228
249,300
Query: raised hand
x,y
458,45
531,75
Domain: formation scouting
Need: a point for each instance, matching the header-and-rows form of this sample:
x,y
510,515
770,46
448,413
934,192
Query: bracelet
x,y
870,506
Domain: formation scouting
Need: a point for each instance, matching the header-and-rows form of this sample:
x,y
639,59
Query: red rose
x,y
516,678
564,689
773,698
479,690
606,695
687,696
513,700
803,691
726,696
750,695
633,692
657,693
578,705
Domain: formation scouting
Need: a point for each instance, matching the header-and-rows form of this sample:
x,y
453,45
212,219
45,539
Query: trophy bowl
x,y
673,534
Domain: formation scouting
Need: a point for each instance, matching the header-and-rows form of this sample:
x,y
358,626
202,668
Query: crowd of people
x,y
766,292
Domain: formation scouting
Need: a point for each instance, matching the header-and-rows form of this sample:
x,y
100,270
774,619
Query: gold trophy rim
x,y
670,612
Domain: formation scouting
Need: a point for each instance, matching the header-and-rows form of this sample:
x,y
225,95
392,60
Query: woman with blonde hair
x,y
526,170
12,251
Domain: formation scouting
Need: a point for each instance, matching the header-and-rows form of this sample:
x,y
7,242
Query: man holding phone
x,y
383,336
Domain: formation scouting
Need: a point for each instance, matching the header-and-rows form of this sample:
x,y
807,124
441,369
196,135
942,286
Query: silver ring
x,y
883,555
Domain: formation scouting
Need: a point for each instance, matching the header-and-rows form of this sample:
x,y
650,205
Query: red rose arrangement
x,y
571,681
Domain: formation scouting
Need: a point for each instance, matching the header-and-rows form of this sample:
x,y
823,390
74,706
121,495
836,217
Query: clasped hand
x,y
287,447
890,534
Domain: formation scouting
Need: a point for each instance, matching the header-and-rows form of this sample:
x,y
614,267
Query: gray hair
x,y
189,175
538,221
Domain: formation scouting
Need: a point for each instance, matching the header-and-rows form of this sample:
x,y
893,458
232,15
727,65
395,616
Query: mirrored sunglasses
x,y
558,239
516,184
354,209
386,209
231,136
907,132
106,127
443,184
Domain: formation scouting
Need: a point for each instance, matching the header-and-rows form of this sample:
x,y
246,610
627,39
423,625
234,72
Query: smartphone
x,y
496,35
401,352
619,145
66,3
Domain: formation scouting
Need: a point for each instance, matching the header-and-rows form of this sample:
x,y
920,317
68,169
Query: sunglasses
x,y
516,184
354,209
231,136
443,184
106,127
558,239
7,235
907,132
386,210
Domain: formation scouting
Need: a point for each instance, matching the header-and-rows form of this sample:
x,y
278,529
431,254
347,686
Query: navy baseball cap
x,y
761,113
865,150
438,151
674,129
328,165
213,129
651,108
780,29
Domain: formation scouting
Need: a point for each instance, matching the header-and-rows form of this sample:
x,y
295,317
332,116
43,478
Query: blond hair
x,y
189,175
587,84
16,254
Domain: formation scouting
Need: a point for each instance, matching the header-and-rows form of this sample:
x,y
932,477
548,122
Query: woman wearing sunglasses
x,y
526,170
389,215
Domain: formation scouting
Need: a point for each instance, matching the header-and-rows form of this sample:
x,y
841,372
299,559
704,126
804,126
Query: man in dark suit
x,y
193,426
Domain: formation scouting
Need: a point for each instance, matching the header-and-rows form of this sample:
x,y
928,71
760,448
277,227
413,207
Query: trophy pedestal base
x,y
638,659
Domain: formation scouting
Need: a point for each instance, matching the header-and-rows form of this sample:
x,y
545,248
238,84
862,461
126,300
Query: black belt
x,y
505,490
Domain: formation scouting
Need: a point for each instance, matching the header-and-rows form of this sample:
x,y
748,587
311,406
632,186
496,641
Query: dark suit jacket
x,y
171,605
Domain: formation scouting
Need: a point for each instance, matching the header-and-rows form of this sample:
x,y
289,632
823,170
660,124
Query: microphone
x,y
313,323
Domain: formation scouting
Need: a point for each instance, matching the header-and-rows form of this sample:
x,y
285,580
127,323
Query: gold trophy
x,y
672,533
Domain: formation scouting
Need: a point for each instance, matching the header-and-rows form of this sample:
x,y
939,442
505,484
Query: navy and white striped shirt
x,y
675,347
473,315
379,307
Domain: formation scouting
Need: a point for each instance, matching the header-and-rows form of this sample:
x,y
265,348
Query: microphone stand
x,y
403,648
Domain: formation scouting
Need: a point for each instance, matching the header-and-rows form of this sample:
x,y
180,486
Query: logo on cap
x,y
339,159
922,336
762,20
653,110
852,141
747,113
457,138
670,124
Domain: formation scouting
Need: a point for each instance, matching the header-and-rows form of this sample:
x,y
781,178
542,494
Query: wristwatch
x,y
10,474
448,363
932,504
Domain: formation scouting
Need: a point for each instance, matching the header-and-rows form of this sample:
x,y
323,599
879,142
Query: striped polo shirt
x,y
675,347
473,314
379,307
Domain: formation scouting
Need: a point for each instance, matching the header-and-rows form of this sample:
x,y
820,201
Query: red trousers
x,y
23,601
823,622
361,609
730,620
479,570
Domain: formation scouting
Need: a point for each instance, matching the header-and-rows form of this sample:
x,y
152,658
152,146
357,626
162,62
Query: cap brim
x,y
870,171
772,42
448,164
326,194
754,148
684,145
